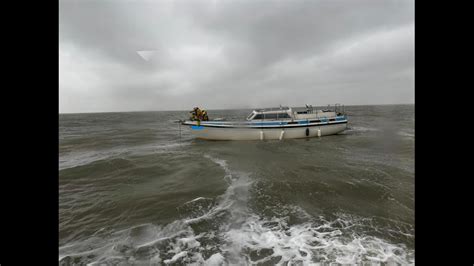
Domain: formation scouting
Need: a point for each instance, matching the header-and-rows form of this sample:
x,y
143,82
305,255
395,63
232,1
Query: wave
x,y
83,158
362,129
406,134
76,159
225,231
276,242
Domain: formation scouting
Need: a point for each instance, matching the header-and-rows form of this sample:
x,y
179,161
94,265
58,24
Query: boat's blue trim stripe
x,y
269,127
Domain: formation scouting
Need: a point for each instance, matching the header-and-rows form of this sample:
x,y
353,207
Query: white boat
x,y
274,124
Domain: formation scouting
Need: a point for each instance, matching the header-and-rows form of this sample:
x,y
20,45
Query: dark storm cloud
x,y
230,54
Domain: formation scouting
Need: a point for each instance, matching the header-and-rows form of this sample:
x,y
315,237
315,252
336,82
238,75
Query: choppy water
x,y
131,191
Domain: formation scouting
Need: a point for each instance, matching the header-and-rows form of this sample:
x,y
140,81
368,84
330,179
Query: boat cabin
x,y
287,113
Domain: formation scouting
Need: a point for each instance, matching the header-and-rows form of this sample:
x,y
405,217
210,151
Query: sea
x,y
135,188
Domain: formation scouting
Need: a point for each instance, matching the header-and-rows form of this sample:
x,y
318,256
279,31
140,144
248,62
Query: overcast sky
x,y
222,54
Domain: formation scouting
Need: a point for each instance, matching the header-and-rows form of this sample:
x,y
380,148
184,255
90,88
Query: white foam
x,y
304,243
223,164
244,237
234,199
406,134
197,199
176,257
215,260
362,129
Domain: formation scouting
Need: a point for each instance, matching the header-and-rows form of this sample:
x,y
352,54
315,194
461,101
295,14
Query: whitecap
x,y
244,237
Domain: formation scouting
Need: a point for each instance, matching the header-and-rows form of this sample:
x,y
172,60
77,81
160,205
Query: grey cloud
x,y
230,54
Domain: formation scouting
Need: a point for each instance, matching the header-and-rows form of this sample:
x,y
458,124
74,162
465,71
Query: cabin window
x,y
276,116
272,116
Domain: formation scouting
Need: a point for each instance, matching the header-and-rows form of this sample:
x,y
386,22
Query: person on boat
x,y
193,115
199,114
204,115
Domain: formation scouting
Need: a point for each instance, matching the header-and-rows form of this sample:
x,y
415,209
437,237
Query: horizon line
x,y
216,109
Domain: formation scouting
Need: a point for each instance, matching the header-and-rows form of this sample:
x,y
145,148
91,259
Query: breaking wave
x,y
223,230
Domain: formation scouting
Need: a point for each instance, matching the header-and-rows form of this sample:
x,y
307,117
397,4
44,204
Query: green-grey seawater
x,y
132,191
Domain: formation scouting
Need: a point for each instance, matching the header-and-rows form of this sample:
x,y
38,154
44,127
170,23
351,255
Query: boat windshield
x,y
250,115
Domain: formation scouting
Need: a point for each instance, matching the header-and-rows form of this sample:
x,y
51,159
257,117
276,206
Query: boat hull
x,y
219,133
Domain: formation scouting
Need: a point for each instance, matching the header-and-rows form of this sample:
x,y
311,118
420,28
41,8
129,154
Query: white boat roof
x,y
272,109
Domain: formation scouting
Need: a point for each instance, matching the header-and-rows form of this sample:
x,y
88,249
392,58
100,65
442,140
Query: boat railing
x,y
338,108
272,109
